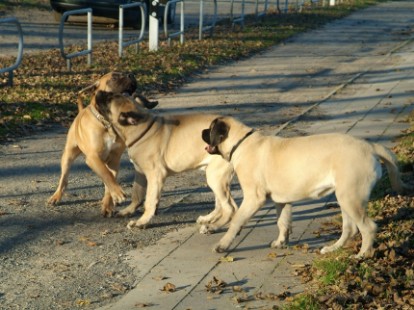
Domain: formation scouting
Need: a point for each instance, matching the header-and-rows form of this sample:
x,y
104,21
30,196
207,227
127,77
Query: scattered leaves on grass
x,y
44,92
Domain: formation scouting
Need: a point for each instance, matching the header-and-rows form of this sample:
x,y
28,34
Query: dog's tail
x,y
80,103
390,161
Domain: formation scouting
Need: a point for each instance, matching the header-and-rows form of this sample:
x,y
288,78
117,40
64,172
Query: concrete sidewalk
x,y
353,76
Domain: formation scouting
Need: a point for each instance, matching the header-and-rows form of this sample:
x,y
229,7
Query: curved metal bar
x,y
240,19
121,44
13,20
88,51
202,28
178,33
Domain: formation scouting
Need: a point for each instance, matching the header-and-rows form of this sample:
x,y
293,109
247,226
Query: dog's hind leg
x,y
70,153
349,229
219,174
354,215
284,223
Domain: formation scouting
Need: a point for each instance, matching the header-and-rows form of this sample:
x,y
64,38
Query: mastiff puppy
x,y
159,146
294,169
91,135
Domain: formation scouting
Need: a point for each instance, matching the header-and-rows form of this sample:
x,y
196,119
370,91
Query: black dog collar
x,y
238,143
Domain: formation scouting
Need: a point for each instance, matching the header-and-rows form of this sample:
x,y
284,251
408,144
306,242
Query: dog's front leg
x,y
97,165
250,205
139,188
155,183
219,174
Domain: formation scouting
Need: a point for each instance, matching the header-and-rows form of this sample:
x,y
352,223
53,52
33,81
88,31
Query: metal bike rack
x,y
121,43
13,20
263,13
178,33
239,19
88,51
213,22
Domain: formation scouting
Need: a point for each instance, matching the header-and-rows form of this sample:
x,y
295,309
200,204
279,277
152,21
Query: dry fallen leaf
x,y
83,302
226,259
169,287
216,286
272,255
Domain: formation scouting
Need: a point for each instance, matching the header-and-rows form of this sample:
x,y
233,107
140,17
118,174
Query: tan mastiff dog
x,y
159,146
294,169
91,135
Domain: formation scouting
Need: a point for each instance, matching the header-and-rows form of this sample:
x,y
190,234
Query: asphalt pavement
x,y
353,76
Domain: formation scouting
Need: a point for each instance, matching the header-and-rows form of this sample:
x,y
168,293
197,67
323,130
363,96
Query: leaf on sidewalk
x,y
226,259
169,288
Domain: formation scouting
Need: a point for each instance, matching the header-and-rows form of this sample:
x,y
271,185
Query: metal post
x,y
181,32
88,51
121,43
213,22
90,37
153,26
200,28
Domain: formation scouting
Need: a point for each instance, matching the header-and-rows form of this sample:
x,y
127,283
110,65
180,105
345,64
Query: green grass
x,y
331,268
303,302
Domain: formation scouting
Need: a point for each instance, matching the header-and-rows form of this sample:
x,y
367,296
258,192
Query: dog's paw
x,y
328,249
201,220
277,244
54,200
118,199
118,196
206,230
136,224
219,249
127,212
131,224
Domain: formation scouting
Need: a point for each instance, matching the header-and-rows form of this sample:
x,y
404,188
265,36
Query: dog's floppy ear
x,y
131,118
219,131
142,100
102,97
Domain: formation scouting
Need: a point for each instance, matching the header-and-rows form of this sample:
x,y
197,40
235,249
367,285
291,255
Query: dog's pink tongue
x,y
209,148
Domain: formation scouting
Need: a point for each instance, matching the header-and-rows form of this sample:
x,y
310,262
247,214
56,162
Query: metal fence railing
x,y
210,27
237,19
10,69
180,33
122,8
88,51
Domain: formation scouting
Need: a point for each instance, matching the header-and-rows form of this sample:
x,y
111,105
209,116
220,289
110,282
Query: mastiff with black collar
x,y
160,146
295,169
